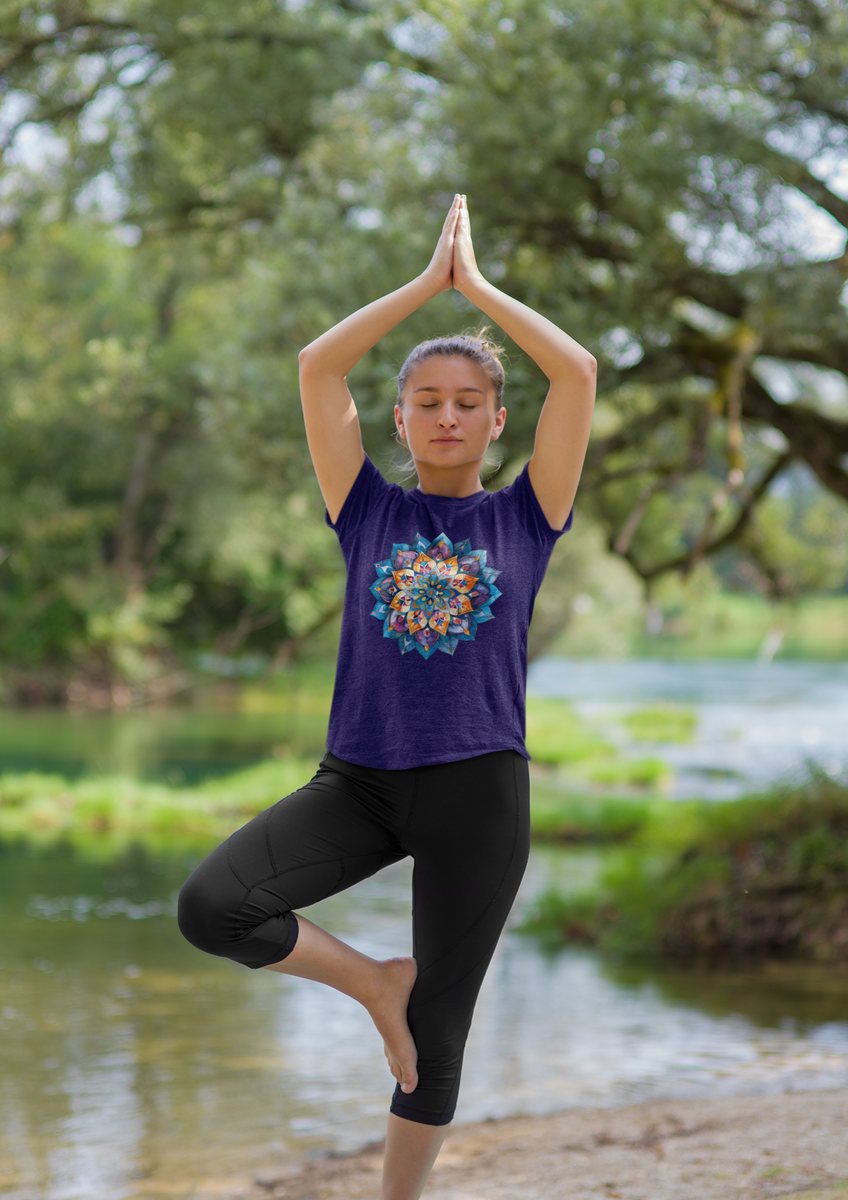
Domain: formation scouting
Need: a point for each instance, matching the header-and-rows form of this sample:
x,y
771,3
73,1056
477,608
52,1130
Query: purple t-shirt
x,y
433,657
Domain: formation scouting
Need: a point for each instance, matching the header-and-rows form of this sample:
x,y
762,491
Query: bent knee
x,y
205,912
219,915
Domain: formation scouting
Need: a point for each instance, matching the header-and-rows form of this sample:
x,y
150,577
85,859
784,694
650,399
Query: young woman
x,y
426,751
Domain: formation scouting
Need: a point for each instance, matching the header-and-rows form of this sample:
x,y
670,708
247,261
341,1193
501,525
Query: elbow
x,y
590,377
310,362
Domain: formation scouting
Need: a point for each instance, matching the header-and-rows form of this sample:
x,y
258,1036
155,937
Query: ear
x,y
399,421
500,418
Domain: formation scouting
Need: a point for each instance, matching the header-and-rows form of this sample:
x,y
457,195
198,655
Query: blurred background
x,y
191,193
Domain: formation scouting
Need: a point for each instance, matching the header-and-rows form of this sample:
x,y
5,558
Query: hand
x,y
440,269
465,270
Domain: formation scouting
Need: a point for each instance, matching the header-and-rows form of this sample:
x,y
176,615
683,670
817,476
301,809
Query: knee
x,y
203,911
219,915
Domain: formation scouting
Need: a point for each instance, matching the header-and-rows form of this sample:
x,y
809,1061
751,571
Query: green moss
x,y
558,818
766,875
556,735
662,723
49,807
632,772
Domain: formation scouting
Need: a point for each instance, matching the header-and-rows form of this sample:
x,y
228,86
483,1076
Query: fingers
x,y
453,211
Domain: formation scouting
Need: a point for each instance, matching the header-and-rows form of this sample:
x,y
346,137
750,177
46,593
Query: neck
x,y
456,482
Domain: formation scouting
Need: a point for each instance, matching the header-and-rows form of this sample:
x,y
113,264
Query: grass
x,y
765,875
119,810
558,737
661,723
610,795
580,818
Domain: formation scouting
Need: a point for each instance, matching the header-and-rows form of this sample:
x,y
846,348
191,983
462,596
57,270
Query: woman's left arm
x,y
562,433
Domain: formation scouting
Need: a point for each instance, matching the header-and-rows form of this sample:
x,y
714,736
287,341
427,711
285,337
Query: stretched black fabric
x,y
466,826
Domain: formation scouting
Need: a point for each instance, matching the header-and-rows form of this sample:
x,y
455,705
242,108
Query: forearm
x,y
558,355
337,351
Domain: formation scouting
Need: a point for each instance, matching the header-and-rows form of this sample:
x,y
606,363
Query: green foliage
x,y
637,772
557,736
763,875
601,818
661,723
658,217
697,620
554,919
212,189
50,808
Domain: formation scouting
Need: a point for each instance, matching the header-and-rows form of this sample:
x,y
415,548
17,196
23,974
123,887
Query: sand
x,y
741,1148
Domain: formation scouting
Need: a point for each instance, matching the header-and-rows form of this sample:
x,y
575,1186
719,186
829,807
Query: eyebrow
x,y
479,391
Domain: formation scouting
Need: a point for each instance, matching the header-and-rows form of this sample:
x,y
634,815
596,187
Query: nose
x,y
447,417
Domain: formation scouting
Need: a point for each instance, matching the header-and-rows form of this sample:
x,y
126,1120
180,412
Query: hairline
x,y
440,351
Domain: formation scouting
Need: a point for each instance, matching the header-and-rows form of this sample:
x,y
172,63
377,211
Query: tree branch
x,y
685,562
817,440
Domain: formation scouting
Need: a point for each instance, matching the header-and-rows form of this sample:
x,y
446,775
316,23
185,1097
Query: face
x,y
448,414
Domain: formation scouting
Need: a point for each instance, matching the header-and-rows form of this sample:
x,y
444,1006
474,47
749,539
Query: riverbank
x,y
764,876
613,799
729,1148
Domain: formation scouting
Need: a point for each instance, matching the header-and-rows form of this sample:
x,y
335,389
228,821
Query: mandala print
x,y
433,595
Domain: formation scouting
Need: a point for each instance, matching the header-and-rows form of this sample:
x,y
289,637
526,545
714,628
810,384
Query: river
x,y
132,1066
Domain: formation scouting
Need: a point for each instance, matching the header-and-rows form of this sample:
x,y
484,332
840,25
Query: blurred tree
x,y
188,197
664,180
142,508
152,478
174,116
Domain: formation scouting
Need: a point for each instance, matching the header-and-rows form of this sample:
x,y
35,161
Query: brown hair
x,y
475,347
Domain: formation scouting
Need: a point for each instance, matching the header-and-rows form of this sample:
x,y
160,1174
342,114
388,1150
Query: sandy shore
x,y
743,1148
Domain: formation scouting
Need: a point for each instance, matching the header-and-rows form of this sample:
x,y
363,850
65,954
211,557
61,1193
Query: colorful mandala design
x,y
433,595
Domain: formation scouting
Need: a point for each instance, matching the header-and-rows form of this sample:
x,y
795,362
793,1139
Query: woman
x,y
426,749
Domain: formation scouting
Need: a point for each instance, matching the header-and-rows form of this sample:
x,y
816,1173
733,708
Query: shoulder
x,y
521,499
370,491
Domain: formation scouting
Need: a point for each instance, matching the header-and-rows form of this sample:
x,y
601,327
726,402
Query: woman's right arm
x,y
332,423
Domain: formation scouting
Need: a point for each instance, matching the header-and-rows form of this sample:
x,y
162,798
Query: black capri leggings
x,y
465,824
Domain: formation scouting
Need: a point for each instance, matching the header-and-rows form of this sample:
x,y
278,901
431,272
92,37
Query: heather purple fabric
x,y
432,663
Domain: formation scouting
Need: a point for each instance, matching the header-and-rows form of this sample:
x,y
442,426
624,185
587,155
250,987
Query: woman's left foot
x,y
388,1012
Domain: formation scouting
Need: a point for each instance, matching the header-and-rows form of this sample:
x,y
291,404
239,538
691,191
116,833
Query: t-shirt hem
x,y
388,763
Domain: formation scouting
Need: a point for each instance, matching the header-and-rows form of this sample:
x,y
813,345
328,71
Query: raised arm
x,y
332,423
562,433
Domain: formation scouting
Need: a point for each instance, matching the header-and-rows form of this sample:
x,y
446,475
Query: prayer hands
x,y
453,263
465,269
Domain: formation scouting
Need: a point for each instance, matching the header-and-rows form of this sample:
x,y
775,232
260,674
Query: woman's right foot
x,y
388,1012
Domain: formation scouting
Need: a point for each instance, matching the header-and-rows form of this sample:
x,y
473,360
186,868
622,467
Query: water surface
x,y
757,722
133,1066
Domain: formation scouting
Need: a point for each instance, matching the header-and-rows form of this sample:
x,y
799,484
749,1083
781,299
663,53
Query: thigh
x,y
470,841
321,839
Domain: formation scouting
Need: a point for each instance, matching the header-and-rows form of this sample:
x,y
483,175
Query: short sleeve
x,y
529,511
370,491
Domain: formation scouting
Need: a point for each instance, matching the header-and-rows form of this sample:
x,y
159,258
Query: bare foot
x,y
388,1012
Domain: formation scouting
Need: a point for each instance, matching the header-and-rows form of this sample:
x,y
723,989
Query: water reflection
x,y
131,1065
757,722
175,746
